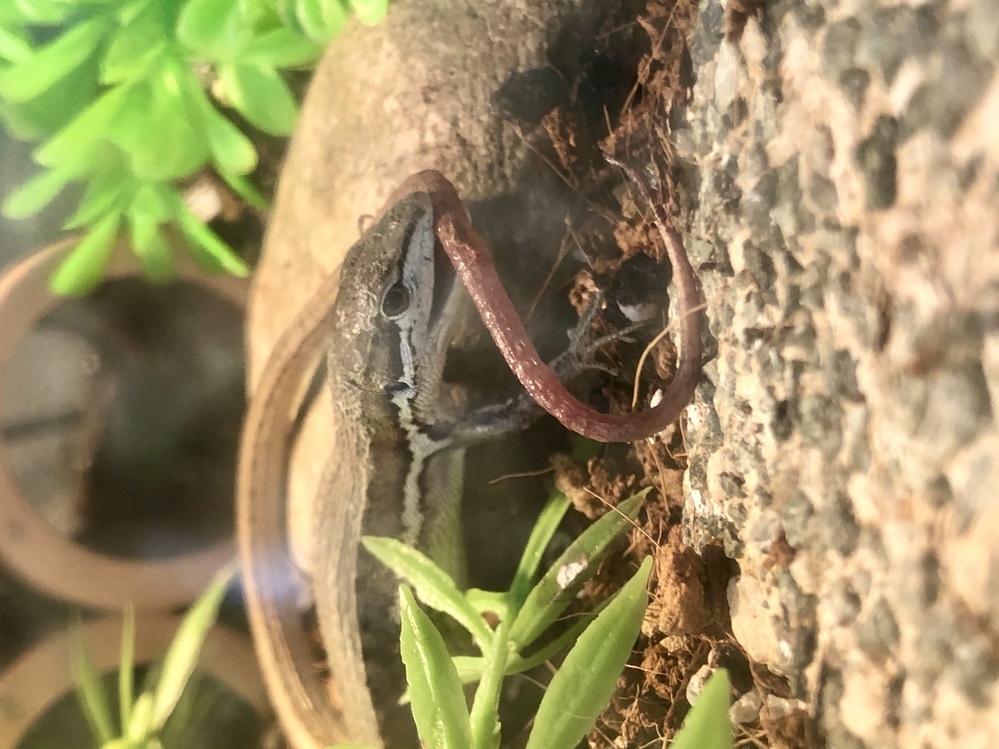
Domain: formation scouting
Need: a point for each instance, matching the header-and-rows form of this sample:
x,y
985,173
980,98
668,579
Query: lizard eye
x,y
395,301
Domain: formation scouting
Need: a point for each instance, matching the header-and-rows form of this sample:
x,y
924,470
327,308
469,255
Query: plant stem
x,y
484,717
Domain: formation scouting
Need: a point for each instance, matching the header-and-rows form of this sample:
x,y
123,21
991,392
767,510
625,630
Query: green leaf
x,y
152,249
245,190
541,536
155,201
287,12
14,47
320,20
707,725
369,11
334,15
142,712
129,10
489,601
483,718
135,45
108,190
232,151
126,664
36,193
79,273
549,650
38,72
583,685
53,109
469,670
438,702
77,145
214,30
152,206
207,248
261,96
89,689
559,586
155,128
433,585
281,48
35,12
182,655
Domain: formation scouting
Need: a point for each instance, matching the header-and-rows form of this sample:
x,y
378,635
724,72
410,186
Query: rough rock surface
x,y
845,222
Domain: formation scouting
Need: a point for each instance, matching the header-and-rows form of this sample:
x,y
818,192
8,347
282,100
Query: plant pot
x,y
29,545
37,680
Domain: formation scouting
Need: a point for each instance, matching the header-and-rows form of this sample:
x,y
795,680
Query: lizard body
x,y
387,318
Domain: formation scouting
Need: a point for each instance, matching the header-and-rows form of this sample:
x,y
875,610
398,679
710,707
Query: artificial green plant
x,y
132,97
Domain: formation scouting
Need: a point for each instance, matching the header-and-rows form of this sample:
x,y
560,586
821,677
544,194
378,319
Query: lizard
x,y
386,318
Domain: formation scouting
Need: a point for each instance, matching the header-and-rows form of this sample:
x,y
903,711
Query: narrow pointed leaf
x,y
287,11
320,20
369,11
438,702
433,585
44,115
142,711
80,273
126,664
707,725
154,127
90,690
135,44
261,96
36,12
153,200
109,190
38,72
231,150
245,189
75,146
35,194
13,47
213,30
182,655
207,248
334,13
559,586
483,718
281,48
152,249
583,685
541,536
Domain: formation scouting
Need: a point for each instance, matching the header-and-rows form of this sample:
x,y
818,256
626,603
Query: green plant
x,y
584,683
116,92
141,719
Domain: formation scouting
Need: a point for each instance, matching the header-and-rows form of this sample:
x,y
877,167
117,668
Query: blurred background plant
x,y
131,98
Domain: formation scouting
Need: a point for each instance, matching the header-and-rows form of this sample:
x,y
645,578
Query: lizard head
x,y
397,308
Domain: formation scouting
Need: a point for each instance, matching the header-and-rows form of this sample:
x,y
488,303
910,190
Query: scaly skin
x,y
382,444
